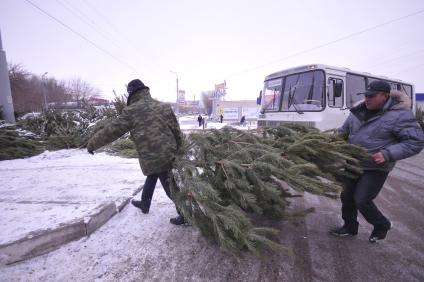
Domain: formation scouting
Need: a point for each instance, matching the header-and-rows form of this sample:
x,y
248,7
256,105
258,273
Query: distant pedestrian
x,y
199,120
242,120
204,122
384,125
221,118
156,135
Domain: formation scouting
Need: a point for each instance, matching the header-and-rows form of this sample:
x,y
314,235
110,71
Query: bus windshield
x,y
295,93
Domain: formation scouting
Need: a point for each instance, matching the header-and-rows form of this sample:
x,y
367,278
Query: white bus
x,y
317,95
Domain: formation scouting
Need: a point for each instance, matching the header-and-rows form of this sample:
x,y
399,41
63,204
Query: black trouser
x,y
150,184
359,194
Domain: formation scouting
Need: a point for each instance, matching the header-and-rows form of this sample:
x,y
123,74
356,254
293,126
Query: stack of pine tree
x,y
222,178
15,144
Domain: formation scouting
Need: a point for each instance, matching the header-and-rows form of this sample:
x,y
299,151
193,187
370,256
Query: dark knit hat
x,y
375,87
134,85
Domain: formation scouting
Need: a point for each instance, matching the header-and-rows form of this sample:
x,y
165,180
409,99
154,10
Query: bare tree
x,y
31,92
81,90
56,91
26,90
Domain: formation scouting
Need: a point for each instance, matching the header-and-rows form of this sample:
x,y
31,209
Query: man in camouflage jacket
x,y
156,134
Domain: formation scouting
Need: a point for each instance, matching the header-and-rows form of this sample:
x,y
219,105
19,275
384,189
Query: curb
x,y
127,200
43,241
99,217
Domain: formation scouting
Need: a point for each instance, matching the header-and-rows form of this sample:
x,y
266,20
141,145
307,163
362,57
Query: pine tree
x,y
14,144
223,178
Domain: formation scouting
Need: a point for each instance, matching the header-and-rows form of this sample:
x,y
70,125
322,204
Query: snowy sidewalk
x,y
57,197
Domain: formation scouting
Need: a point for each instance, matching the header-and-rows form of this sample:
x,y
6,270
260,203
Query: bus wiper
x,y
289,102
297,110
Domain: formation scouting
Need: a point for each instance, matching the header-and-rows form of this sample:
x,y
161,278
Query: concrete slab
x,y
57,197
99,216
41,241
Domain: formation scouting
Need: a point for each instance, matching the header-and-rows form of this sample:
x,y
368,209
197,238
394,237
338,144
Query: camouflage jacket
x,y
153,128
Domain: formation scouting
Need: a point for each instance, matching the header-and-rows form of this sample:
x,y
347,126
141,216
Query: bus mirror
x,y
259,99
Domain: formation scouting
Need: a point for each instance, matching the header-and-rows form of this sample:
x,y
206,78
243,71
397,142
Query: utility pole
x,y
178,105
6,101
43,87
177,111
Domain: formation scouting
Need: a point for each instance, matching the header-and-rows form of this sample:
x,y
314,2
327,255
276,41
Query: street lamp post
x,y
178,106
6,101
43,84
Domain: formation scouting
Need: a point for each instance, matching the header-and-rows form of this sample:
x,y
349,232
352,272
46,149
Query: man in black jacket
x,y
384,125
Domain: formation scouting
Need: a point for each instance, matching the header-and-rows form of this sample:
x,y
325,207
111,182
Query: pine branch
x,y
224,177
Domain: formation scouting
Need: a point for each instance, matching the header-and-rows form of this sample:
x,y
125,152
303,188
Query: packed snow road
x,y
137,247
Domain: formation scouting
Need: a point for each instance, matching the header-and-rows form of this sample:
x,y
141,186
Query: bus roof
x,y
330,69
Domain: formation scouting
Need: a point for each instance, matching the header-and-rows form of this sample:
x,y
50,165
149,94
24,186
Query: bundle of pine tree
x,y
223,178
15,144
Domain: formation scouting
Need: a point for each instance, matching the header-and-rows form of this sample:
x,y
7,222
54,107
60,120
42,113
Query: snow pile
x,y
52,188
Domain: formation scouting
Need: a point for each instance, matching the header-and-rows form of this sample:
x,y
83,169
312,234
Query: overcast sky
x,y
206,42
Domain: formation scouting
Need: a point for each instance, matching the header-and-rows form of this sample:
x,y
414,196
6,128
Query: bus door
x,y
336,110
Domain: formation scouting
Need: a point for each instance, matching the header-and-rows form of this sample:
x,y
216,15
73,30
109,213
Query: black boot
x,y
179,220
343,232
379,232
144,206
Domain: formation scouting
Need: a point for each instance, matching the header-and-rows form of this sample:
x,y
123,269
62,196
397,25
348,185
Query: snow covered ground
x,y
47,190
133,246
55,187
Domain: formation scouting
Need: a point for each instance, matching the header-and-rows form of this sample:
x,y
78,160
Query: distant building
x,y
73,105
186,107
234,110
98,102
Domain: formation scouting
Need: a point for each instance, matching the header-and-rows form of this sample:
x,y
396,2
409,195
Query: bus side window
x,y
407,89
335,93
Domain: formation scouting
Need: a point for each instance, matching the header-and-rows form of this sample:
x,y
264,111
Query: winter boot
x,y
144,206
179,220
379,232
342,232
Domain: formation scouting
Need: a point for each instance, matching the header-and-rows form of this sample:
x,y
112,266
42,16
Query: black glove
x,y
90,149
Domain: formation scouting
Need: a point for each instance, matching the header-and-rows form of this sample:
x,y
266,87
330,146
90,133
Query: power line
x,y
129,42
108,36
81,13
408,68
82,17
329,43
103,17
397,58
82,36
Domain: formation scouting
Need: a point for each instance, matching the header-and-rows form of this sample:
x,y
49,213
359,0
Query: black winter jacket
x,y
394,131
